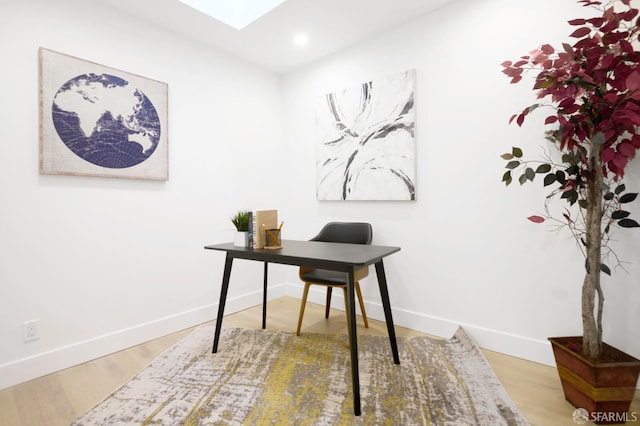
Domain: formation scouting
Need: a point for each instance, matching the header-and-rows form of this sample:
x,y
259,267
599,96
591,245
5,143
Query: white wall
x,y
469,256
107,263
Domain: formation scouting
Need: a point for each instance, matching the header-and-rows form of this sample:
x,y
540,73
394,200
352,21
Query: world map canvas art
x,y
366,141
99,121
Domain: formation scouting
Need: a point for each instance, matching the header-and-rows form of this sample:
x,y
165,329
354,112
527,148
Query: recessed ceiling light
x,y
300,39
235,13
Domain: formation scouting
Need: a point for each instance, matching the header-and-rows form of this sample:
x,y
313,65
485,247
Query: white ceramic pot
x,y
241,239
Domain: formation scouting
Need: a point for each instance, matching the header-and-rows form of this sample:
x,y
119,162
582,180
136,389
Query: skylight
x,y
235,13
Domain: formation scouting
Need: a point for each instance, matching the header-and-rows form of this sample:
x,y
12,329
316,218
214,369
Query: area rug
x,y
263,377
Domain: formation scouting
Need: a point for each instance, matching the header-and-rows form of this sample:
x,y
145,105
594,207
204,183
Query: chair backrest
x,y
345,232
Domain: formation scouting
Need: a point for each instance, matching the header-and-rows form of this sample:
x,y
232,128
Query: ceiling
x,y
330,25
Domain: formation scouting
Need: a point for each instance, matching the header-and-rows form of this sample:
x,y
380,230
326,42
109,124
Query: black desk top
x,y
315,254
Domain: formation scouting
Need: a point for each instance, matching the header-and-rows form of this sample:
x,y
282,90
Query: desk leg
x,y
386,304
264,296
223,300
353,342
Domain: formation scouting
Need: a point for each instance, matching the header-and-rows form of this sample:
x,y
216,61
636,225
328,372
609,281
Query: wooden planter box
x,y
605,388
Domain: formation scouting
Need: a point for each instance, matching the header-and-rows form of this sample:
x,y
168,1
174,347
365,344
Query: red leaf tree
x,y
592,89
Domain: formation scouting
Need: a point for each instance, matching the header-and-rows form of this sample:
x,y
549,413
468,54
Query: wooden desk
x,y
322,255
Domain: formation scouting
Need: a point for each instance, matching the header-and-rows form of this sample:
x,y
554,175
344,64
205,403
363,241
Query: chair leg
x,y
364,313
328,304
302,305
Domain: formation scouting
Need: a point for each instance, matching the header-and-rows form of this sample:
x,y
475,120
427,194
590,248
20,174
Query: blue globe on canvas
x,y
104,120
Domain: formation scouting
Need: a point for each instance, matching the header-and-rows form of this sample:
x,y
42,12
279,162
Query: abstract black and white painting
x,y
366,141
99,121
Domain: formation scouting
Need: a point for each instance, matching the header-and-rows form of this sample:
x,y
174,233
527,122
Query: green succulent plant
x,y
241,220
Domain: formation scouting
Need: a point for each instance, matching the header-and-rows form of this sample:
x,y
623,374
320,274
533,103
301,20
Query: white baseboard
x,y
510,344
538,351
25,369
38,365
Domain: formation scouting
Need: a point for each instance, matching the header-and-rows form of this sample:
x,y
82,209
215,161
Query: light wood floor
x,y
59,398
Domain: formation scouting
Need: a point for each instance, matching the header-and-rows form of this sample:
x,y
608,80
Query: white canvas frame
x,y
366,141
151,135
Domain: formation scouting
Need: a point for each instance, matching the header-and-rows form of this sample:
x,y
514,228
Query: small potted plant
x,y
592,93
241,221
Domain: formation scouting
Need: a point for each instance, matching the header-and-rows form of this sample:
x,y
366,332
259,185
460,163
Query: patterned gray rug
x,y
269,377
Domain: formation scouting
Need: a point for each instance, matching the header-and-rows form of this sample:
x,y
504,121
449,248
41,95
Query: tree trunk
x,y
592,324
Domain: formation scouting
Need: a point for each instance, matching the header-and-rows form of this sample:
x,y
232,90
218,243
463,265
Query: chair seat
x,y
323,276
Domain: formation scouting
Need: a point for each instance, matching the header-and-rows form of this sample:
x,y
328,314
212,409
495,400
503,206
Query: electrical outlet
x,y
30,329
